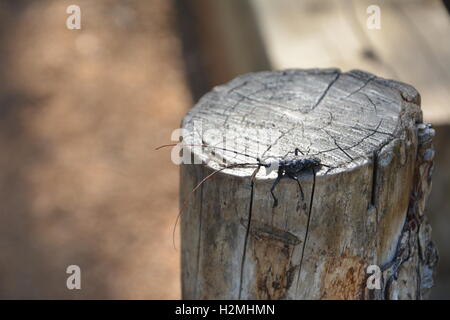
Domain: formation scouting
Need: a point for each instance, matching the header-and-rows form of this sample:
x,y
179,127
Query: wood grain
x,y
355,210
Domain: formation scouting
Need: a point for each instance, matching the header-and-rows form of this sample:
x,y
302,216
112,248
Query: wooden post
x,y
365,207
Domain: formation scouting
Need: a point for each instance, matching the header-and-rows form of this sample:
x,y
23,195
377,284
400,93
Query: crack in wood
x,y
360,88
199,242
307,230
373,196
371,102
322,96
247,233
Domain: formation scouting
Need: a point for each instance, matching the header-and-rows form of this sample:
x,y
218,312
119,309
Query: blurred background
x,y
81,112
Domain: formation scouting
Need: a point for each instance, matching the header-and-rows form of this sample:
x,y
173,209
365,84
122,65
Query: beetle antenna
x,y
186,202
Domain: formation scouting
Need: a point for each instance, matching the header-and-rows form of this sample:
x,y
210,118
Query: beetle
x,y
292,169
286,168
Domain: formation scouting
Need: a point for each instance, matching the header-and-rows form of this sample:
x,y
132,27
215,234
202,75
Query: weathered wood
x,y
365,207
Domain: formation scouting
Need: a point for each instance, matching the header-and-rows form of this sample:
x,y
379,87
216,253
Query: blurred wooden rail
x,y
412,45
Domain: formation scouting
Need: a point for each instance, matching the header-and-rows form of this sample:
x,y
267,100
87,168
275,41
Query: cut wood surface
x,y
363,207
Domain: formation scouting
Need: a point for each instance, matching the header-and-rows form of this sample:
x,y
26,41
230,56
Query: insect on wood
x,y
347,147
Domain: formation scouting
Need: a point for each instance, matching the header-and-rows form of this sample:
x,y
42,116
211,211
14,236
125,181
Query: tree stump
x,y
363,207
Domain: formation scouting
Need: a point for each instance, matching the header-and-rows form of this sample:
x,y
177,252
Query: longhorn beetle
x,y
286,168
291,169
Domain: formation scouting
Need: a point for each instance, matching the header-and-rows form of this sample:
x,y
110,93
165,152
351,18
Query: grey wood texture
x,y
363,207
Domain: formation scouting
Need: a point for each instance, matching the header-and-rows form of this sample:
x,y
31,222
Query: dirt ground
x,y
81,112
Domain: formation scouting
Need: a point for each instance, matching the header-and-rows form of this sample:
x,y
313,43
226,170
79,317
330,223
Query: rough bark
x,y
364,207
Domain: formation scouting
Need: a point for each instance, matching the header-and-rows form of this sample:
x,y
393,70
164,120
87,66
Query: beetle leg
x,y
277,180
297,150
299,186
